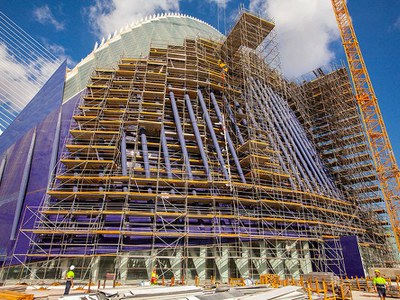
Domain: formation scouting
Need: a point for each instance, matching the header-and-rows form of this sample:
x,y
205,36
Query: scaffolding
x,y
342,144
197,160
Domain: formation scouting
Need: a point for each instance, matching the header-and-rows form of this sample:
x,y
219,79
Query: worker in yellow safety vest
x,y
224,68
70,280
154,277
380,285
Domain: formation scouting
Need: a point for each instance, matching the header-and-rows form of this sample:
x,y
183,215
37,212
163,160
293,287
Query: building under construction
x,y
174,147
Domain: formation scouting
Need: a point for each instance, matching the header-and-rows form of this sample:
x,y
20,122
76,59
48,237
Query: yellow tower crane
x,y
382,152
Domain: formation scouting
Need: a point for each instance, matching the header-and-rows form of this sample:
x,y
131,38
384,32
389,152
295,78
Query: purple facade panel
x,y
38,176
10,186
42,104
352,256
41,114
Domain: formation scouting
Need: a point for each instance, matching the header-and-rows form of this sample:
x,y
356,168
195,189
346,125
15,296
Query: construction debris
x,y
193,293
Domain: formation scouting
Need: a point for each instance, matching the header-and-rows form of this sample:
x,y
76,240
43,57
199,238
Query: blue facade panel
x,y
40,114
10,186
352,256
42,104
38,175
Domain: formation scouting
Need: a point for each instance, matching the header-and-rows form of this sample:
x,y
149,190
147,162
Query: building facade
x,y
193,155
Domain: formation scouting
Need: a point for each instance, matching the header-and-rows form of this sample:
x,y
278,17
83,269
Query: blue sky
x,y
307,33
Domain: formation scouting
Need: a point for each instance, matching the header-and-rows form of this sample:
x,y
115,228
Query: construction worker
x,y
380,285
224,68
70,280
154,277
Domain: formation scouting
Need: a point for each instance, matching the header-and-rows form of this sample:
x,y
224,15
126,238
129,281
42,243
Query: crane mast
x,y
382,152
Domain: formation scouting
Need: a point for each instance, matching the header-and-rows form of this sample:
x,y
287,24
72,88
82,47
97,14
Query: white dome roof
x,y
135,40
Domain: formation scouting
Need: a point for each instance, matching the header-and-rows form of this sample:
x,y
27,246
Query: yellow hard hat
x,y
377,271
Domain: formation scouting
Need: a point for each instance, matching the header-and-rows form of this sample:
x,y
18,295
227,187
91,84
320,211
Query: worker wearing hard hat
x,y
70,280
380,284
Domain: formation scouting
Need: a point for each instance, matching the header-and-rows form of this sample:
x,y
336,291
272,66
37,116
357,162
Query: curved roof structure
x,y
135,40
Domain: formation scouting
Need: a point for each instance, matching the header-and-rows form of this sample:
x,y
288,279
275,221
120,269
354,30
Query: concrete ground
x,y
51,294
54,293
365,296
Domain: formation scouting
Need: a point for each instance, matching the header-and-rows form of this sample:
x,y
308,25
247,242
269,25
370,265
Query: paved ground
x,y
56,292
52,294
365,296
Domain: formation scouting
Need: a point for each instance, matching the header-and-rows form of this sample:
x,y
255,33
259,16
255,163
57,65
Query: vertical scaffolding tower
x,y
342,144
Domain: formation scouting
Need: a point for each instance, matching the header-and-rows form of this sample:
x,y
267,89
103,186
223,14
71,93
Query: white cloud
x,y
305,29
61,53
44,16
107,16
14,77
20,81
220,3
